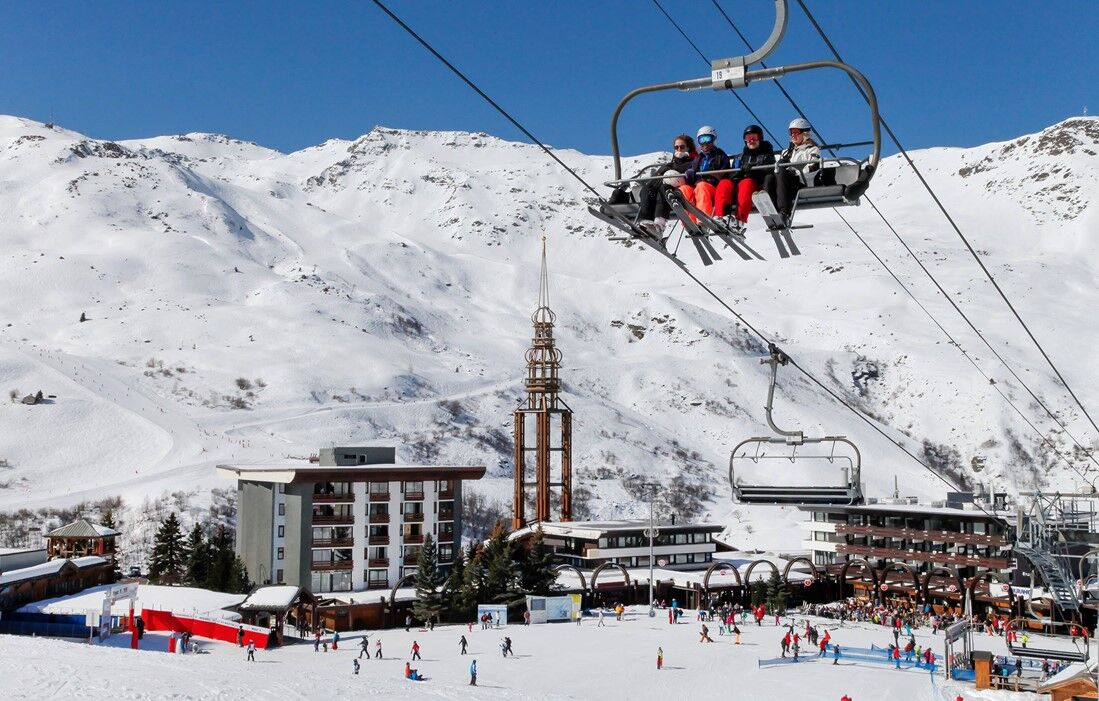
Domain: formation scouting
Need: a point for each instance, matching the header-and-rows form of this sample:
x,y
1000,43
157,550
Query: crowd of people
x,y
721,186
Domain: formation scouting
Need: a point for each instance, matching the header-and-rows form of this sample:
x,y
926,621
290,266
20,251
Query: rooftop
x,y
297,472
82,528
970,511
597,529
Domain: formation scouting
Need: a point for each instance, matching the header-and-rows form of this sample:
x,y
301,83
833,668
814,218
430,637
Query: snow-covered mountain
x,y
244,304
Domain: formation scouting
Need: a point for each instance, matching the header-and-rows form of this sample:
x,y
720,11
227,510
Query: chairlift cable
x,y
943,292
957,229
688,273
484,96
707,60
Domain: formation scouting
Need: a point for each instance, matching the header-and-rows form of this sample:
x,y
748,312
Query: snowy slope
x,y
245,304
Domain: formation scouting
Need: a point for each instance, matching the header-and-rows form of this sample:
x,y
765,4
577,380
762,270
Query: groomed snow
x,y
552,661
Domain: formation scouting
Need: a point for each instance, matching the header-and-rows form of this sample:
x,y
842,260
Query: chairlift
x,y
1079,652
840,181
846,492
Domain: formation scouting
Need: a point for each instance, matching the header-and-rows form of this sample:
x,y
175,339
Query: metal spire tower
x,y
540,417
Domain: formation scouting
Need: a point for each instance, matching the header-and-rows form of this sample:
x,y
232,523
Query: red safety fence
x,y
204,627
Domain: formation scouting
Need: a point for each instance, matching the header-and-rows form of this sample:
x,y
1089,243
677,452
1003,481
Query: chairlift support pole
x,y
778,358
732,74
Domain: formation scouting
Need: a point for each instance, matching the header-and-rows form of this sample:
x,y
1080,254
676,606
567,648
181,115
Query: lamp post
x,y
651,532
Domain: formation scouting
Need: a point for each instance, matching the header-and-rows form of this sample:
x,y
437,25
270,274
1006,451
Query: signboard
x,y
499,613
544,609
956,631
122,591
998,589
105,620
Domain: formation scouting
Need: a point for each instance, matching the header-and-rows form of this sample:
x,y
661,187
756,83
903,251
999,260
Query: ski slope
x,y
245,304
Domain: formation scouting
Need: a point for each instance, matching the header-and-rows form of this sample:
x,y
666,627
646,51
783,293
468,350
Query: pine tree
x,y
221,560
198,558
455,603
473,582
759,592
776,594
166,564
537,574
108,522
429,602
238,583
501,570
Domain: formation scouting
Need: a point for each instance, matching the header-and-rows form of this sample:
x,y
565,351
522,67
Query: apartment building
x,y
348,520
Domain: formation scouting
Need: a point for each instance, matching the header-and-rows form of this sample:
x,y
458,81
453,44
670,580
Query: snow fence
x,y
205,627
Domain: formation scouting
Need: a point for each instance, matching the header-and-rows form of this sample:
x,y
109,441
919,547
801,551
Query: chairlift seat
x,y
785,494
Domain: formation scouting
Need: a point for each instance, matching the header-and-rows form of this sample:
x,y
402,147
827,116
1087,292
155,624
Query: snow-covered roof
x,y
82,528
1074,670
88,561
16,551
276,597
596,529
33,572
914,509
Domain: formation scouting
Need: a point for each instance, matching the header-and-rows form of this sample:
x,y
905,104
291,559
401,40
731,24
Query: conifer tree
x,y
166,564
473,581
501,570
429,602
759,592
455,604
221,560
108,522
238,583
537,574
198,558
776,594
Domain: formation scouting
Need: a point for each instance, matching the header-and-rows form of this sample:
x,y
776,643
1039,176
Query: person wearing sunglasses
x,y
757,152
784,183
709,193
654,208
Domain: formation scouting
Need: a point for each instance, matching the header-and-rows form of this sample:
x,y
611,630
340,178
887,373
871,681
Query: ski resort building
x,y
82,538
904,547
589,544
348,520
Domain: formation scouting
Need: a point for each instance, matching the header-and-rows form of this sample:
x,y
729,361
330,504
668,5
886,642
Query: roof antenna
x,y
896,488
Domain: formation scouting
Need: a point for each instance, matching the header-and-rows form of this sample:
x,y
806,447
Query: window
x,y
445,531
282,509
278,576
333,512
444,485
377,577
412,551
335,489
412,529
412,508
413,487
379,531
330,581
446,553
282,531
379,488
376,553
281,554
329,556
379,509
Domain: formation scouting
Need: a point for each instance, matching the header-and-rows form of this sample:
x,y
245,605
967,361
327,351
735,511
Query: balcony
x,y
333,520
378,540
333,542
411,539
377,585
378,496
414,518
446,514
379,518
446,494
334,498
922,556
414,496
331,565
912,534
378,562
411,559
446,537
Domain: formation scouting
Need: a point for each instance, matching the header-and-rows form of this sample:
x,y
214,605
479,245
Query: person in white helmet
x,y
709,193
783,185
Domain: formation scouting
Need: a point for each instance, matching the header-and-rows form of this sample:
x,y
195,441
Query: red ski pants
x,y
714,200
744,190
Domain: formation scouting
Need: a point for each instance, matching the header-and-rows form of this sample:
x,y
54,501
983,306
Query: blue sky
x,y
290,75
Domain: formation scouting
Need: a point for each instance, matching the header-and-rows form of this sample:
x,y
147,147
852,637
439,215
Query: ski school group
x,y
723,187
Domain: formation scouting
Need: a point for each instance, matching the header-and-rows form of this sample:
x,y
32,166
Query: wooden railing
x,y
333,498
414,496
331,565
378,562
333,542
413,518
378,496
378,540
321,520
412,539
918,535
379,518
446,494
920,556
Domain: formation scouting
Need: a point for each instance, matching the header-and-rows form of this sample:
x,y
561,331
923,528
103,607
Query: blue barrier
x,y
72,619
53,630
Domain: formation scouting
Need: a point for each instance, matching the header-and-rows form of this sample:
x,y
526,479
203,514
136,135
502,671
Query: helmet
x,y
706,131
801,123
753,129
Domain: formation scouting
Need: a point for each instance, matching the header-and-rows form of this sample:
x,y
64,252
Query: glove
x,y
690,176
